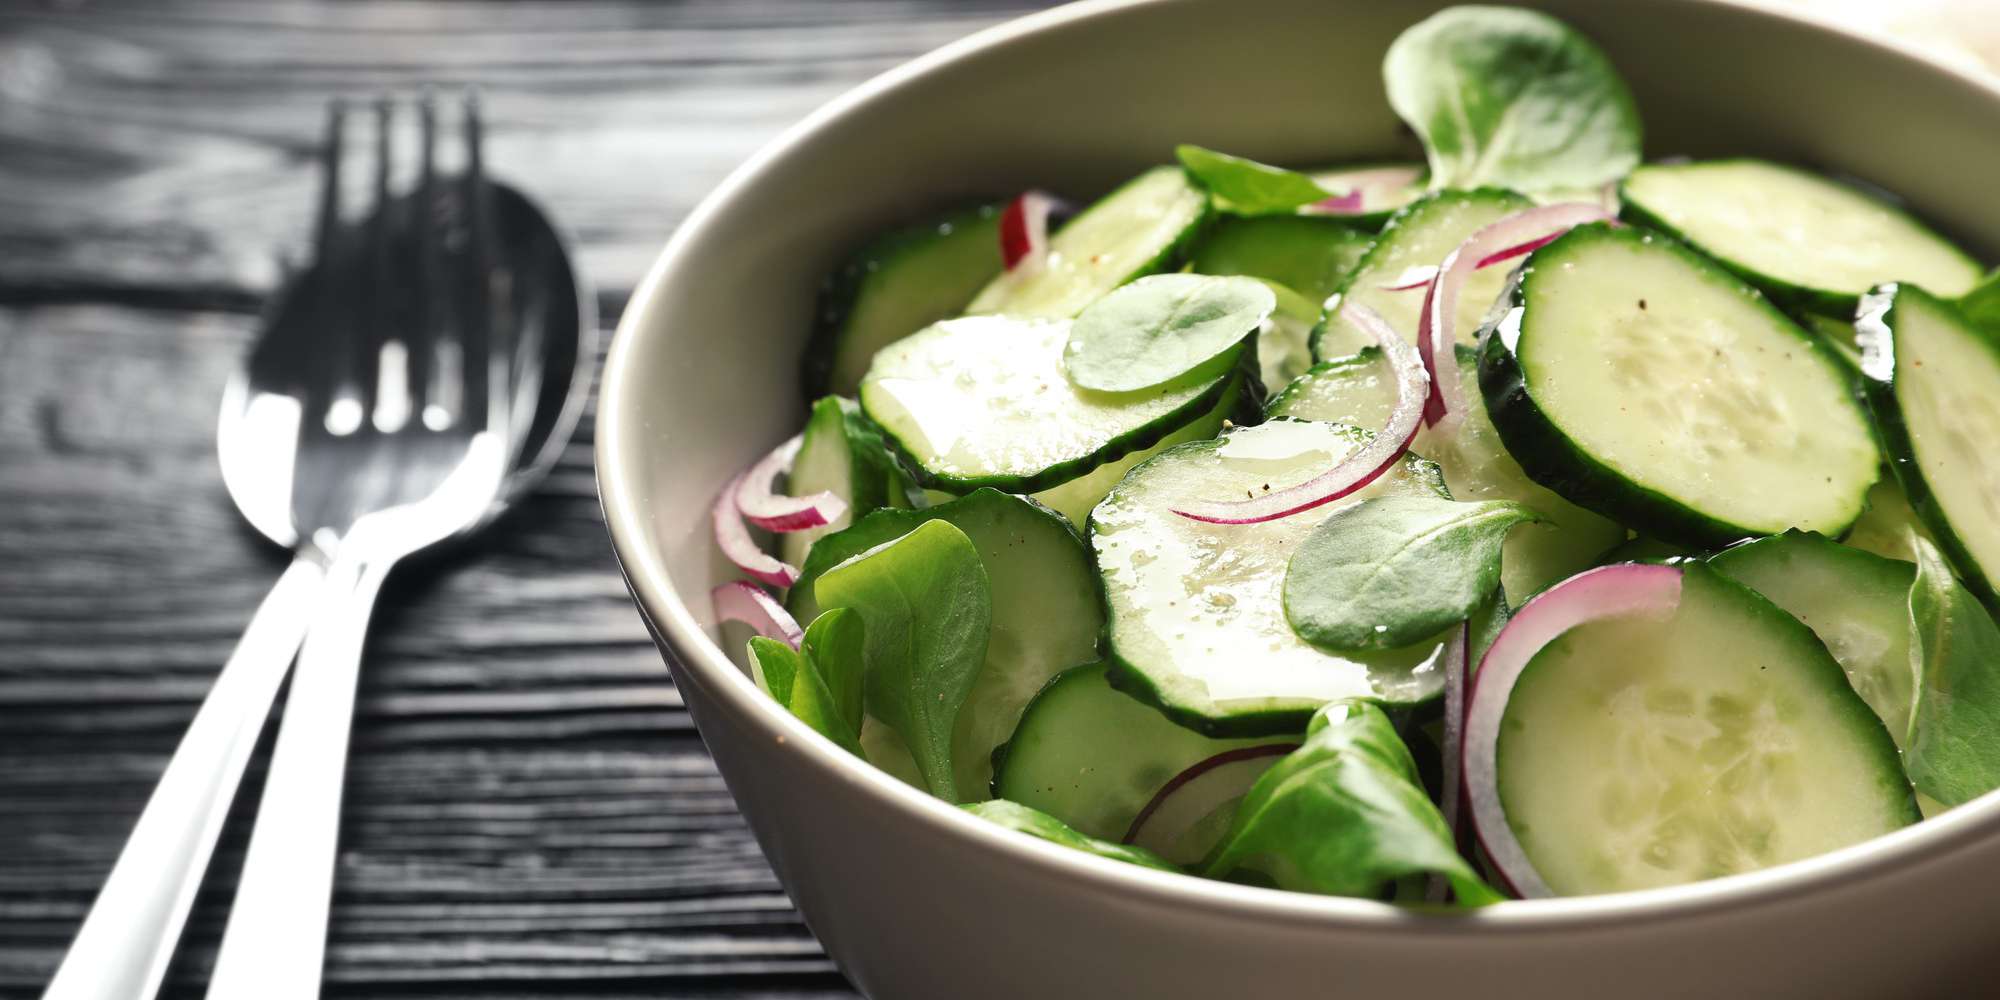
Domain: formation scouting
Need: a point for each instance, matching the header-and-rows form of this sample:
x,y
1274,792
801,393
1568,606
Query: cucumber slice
x,y
1136,230
1642,381
1807,241
1933,384
1359,390
1092,756
983,401
897,284
1420,235
1838,334
1046,616
1644,550
1308,255
1076,498
837,455
1636,753
1196,611
1856,602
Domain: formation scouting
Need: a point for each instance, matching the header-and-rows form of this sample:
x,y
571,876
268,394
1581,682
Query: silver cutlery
x,y
421,375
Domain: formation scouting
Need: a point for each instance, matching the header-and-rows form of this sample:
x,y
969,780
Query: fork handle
x,y
275,942
127,941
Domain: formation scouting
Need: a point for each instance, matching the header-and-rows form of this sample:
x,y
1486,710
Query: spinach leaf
x,y
1484,626
1036,823
835,645
1390,571
1158,328
792,681
1512,98
927,606
1344,815
1982,304
1246,187
1953,753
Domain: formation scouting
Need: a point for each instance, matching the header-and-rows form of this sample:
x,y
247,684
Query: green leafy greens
x,y
1953,753
1161,327
1512,98
1246,187
1036,823
1391,571
1344,815
1982,304
926,605
794,681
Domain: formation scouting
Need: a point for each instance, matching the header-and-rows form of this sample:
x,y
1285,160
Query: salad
x,y
1535,520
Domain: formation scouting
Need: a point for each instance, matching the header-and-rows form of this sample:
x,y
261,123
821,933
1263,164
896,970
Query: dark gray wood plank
x,y
530,812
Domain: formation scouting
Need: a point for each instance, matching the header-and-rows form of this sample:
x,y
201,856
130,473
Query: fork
x,y
371,421
391,462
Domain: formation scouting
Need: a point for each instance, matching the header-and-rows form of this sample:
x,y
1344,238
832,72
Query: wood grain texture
x,y
530,813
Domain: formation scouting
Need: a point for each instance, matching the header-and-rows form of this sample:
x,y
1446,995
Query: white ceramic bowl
x,y
915,899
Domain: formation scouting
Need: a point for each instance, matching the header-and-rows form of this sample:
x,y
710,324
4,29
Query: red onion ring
x,y
1359,184
773,511
1450,788
1024,228
737,601
1196,770
735,542
1605,592
1509,237
1412,279
1361,466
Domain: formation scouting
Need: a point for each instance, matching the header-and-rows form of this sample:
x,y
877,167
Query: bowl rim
x,y
1933,840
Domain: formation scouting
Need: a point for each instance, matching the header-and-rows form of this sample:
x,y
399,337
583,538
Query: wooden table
x,y
530,811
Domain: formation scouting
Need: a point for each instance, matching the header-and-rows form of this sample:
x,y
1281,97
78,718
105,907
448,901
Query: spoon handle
x,y
275,942
126,942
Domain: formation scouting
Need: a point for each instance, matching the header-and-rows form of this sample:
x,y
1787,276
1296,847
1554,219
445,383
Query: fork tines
x,y
406,312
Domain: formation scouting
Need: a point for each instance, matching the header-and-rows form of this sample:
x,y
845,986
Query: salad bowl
x,y
915,899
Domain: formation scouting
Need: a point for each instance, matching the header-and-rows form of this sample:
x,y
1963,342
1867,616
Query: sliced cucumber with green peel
x,y
1855,601
1933,385
1644,550
1359,390
1196,617
1095,757
839,455
1807,241
1637,752
1308,255
1639,380
1139,229
1420,235
1046,615
897,284
1076,498
984,401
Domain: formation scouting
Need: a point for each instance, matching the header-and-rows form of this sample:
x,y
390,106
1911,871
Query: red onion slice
x,y
1196,770
1450,788
1340,204
1605,592
1024,228
737,601
1359,185
735,542
1509,237
1412,278
1361,466
773,511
